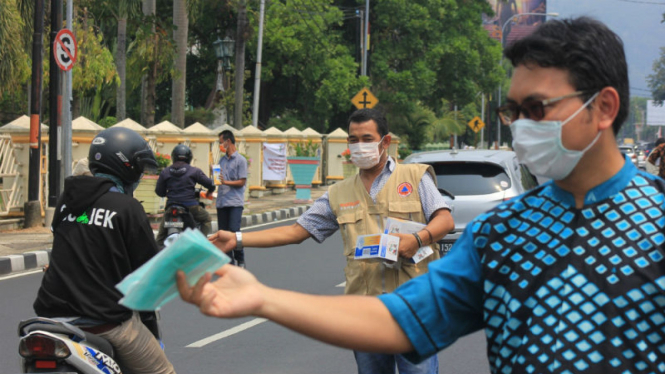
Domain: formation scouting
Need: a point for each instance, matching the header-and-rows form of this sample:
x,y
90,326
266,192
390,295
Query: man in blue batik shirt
x,y
567,278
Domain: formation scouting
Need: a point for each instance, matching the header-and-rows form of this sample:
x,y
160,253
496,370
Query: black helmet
x,y
123,153
181,152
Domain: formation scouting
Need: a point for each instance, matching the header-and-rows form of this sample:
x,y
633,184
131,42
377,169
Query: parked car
x,y
630,151
474,181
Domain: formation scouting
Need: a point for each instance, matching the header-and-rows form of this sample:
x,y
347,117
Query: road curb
x,y
25,261
35,259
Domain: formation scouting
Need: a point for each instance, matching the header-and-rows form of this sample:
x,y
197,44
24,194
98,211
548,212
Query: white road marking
x,y
343,284
227,333
21,274
268,223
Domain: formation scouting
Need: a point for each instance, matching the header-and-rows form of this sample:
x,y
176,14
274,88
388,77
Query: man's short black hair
x,y
589,51
228,135
364,115
659,141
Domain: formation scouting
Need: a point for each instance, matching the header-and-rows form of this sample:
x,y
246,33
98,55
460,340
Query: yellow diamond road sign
x,y
364,99
476,124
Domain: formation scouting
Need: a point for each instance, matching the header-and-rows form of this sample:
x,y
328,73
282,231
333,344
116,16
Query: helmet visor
x,y
146,162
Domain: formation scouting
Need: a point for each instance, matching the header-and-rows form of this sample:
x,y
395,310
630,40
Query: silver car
x,y
630,151
474,182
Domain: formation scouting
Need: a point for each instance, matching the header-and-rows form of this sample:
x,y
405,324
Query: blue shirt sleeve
x,y
430,197
319,220
437,308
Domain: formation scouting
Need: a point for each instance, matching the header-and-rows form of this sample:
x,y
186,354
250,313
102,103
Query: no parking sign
x,y
65,49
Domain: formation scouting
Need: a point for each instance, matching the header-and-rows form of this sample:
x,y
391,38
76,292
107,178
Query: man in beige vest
x,y
359,206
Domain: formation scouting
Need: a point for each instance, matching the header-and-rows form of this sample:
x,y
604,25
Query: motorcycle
x,y
58,345
53,346
177,217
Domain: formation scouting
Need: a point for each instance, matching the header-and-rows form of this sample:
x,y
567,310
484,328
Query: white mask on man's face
x,y
365,155
538,145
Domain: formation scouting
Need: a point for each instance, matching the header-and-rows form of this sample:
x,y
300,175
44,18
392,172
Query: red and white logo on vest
x,y
404,189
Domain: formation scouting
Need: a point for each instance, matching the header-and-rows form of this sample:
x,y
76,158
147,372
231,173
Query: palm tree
x,y
181,22
14,60
240,63
125,9
148,79
445,124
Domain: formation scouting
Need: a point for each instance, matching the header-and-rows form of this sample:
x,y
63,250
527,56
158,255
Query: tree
x,y
181,23
151,57
124,9
656,80
148,78
14,59
427,50
307,67
93,74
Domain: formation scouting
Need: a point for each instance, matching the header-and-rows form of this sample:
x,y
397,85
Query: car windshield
x,y
471,178
626,149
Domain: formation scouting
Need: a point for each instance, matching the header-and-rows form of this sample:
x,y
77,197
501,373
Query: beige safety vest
x,y
357,215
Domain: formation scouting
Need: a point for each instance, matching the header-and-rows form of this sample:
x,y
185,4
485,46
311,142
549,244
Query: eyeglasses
x,y
530,108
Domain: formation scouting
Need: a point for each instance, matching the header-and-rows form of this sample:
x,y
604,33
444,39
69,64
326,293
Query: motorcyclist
x,y
178,183
100,235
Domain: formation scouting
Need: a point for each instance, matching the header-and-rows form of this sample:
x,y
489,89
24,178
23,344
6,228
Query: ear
x,y
386,140
608,103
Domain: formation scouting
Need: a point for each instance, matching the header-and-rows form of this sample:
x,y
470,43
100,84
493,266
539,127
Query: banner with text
x,y
274,161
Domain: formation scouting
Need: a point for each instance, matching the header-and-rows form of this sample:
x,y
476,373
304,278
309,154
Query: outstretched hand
x,y
224,240
237,293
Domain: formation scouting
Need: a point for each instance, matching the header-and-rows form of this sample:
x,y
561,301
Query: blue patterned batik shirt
x,y
557,289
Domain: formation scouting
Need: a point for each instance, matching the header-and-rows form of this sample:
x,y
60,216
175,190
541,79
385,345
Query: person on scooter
x,y
100,235
178,184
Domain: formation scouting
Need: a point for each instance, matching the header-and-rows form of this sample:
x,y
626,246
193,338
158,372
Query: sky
x,y
637,22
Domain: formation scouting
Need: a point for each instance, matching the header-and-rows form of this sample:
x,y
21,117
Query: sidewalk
x,y
27,249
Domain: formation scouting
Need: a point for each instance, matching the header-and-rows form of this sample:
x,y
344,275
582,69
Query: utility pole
x,y
366,38
67,112
482,115
32,209
257,78
55,109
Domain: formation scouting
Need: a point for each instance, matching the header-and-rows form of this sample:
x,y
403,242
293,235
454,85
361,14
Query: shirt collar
x,y
602,191
390,164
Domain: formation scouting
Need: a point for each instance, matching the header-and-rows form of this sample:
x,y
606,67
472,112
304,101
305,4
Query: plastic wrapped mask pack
x,y
154,284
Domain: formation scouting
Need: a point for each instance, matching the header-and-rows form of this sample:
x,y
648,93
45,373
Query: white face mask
x,y
538,145
365,155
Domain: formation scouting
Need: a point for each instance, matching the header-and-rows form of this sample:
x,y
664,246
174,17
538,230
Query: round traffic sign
x,y
65,49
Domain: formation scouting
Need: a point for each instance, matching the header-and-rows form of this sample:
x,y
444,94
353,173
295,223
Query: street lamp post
x,y
503,28
224,51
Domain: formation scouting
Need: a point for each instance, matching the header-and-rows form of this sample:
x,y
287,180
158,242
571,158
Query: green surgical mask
x,y
153,284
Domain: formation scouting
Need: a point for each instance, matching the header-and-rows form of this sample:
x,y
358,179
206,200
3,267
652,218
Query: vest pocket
x,y
350,224
409,210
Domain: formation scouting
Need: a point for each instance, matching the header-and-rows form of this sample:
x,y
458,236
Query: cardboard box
x,y
398,226
377,246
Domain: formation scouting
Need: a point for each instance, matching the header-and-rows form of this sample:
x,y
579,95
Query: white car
x,y
630,151
474,181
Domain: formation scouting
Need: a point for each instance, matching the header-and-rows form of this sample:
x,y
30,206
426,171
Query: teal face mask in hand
x,y
153,284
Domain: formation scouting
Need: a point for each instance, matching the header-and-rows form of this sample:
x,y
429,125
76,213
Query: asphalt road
x,y
198,344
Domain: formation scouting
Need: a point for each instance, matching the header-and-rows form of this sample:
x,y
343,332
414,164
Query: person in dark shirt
x,y
178,183
100,235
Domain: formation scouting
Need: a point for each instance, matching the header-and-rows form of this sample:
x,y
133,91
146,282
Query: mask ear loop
x,y
573,116
586,104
